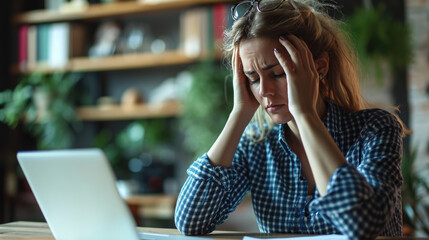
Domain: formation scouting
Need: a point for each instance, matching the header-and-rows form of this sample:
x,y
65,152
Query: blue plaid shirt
x,y
363,197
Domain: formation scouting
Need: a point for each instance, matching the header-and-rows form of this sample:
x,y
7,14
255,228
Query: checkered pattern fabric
x,y
363,199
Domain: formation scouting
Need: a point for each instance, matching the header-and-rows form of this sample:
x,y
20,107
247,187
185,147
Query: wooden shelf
x,y
151,199
131,61
118,112
114,9
153,205
115,62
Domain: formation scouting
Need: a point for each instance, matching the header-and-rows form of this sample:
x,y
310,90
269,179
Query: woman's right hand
x,y
244,102
223,149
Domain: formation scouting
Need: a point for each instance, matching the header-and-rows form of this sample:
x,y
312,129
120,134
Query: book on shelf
x,y
219,22
50,45
23,46
58,49
202,29
32,46
190,31
157,1
78,40
42,43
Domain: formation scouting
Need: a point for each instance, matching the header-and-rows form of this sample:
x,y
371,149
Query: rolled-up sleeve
x,y
361,199
208,196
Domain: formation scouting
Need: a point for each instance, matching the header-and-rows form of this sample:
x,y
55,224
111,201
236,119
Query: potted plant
x,y
378,38
206,106
44,104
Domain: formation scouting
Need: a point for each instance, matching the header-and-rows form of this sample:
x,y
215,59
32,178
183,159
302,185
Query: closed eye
x,y
253,81
277,76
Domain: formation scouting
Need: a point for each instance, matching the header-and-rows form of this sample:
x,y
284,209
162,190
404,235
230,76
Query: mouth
x,y
274,107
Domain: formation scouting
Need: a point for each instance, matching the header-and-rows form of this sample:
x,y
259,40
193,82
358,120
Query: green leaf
x,y
206,105
378,38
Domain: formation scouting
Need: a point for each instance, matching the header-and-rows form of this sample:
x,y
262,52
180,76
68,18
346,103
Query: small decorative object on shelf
x,y
172,89
106,39
136,38
131,98
74,6
158,45
105,102
54,5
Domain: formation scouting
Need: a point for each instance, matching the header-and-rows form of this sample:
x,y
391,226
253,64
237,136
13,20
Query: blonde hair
x,y
307,20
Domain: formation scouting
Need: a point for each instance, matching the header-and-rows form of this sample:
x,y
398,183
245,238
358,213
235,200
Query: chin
x,y
281,119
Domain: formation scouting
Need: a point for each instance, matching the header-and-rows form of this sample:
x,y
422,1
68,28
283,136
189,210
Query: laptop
x,y
76,191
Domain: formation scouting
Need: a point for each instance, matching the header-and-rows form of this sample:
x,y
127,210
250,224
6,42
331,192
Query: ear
x,y
322,63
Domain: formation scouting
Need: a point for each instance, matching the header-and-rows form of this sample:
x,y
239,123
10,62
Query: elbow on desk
x,y
381,224
189,231
189,223
191,228
181,227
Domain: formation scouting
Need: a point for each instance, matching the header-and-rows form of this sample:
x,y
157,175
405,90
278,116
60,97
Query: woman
x,y
330,164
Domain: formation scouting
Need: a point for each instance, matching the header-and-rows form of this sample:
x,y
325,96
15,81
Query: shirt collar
x,y
332,120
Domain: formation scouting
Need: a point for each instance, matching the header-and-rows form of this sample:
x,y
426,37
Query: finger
x,y
235,62
238,72
291,49
311,61
238,63
234,54
309,55
285,61
305,53
301,48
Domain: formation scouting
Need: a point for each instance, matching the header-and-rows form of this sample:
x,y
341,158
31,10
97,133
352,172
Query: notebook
x,y
76,191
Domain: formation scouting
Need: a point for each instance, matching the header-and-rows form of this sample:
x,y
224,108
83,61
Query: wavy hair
x,y
308,20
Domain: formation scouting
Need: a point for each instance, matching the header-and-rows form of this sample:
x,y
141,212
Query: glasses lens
x,y
241,9
269,5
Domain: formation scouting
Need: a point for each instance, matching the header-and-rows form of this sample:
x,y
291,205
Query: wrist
x,y
242,114
309,116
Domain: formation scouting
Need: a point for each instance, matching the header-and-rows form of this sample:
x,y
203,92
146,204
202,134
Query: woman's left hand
x,y
302,76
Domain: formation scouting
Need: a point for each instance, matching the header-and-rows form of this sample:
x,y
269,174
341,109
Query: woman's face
x,y
267,79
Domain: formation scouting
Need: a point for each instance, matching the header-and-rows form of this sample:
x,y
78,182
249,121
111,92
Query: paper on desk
x,y
319,237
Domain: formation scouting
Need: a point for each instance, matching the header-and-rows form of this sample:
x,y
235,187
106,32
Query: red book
x,y
23,46
219,22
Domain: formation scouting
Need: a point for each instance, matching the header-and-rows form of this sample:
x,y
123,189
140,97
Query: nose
x,y
266,88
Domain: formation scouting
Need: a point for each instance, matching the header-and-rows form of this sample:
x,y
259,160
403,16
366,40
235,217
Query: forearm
x,y
322,152
363,197
208,196
222,151
196,197
358,209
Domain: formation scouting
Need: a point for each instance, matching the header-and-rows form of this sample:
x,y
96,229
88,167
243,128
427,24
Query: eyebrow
x,y
268,67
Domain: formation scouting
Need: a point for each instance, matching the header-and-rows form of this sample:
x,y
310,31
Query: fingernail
x,y
276,51
282,38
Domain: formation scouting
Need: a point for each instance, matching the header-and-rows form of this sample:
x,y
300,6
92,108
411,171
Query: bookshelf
x,y
114,9
118,112
115,62
115,74
122,62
